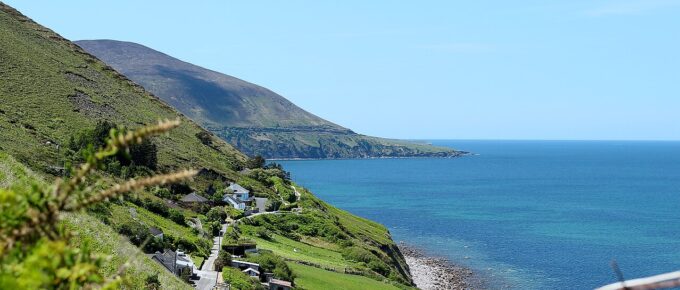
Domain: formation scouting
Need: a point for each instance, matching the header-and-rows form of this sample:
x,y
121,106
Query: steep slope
x,y
254,119
51,89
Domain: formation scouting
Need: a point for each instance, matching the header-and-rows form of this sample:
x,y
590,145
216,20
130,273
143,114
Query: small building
x,y
276,284
193,198
244,265
240,198
156,233
251,272
175,262
240,249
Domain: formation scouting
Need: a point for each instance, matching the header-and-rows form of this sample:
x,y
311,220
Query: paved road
x,y
207,274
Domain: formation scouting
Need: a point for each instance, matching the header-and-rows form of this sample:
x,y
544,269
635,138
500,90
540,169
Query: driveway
x,y
208,276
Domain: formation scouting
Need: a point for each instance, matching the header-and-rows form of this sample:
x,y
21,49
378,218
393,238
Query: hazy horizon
x,y
564,70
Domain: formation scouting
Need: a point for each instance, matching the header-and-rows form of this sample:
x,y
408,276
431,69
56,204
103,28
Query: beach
x,y
431,273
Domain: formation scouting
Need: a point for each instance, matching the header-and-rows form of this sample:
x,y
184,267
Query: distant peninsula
x,y
253,119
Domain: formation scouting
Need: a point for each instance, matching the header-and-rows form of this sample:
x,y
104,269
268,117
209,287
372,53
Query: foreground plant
x,y
35,252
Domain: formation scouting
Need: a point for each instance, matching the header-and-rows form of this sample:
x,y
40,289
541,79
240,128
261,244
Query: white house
x,y
251,272
240,198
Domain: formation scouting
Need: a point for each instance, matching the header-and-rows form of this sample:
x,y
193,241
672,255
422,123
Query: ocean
x,y
522,214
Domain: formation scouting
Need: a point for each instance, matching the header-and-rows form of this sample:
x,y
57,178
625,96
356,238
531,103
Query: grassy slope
x,y
100,237
315,278
298,251
50,89
252,118
323,250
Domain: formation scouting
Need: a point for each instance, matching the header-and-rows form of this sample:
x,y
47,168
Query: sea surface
x,y
522,214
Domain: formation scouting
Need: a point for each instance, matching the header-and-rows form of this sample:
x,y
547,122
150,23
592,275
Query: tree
x,y
223,260
204,137
255,162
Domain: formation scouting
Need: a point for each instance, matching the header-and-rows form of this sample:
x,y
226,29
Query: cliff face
x,y
254,119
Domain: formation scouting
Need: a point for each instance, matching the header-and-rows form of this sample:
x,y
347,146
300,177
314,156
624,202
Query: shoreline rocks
x,y
430,273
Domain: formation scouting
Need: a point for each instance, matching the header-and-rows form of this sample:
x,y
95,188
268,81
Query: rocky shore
x,y
437,273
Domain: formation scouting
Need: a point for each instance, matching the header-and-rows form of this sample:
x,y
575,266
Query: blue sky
x,y
425,69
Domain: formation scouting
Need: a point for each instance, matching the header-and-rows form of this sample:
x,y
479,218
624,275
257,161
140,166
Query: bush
x,y
234,213
273,264
205,138
152,282
215,228
255,162
379,267
263,233
136,232
223,260
157,207
237,279
272,205
216,214
176,216
357,254
288,207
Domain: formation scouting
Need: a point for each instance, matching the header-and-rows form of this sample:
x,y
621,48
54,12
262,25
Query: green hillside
x,y
52,92
254,119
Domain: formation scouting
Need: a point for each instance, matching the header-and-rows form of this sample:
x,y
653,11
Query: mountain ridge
x,y
252,118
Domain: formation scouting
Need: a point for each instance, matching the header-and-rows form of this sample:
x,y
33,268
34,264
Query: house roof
x,y
281,283
237,188
233,201
167,259
245,263
155,231
251,270
193,197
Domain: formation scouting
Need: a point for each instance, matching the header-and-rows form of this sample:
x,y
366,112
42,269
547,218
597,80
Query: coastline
x,y
435,273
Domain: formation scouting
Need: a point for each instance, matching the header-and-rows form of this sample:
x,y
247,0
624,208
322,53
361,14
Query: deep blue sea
x,y
522,214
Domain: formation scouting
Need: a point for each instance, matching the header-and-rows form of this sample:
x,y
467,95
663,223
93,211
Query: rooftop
x,y
281,283
193,197
238,189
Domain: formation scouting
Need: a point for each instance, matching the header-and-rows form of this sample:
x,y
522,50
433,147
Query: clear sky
x,y
424,69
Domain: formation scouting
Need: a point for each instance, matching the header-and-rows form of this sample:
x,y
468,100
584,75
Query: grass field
x,y
312,278
294,250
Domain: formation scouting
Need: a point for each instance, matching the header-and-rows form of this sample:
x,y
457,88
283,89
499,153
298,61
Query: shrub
x,y
223,260
272,205
136,232
215,228
176,216
357,254
255,162
263,233
273,264
216,214
237,279
204,137
152,282
157,207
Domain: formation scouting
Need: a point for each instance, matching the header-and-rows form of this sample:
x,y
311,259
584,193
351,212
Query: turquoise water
x,y
523,214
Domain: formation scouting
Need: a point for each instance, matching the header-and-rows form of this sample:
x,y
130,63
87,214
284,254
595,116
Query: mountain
x,y
52,90
254,119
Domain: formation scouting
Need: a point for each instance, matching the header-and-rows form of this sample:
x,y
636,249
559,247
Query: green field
x,y
294,250
312,278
